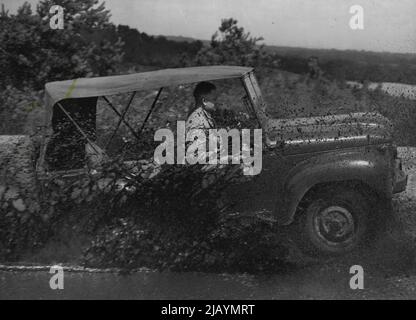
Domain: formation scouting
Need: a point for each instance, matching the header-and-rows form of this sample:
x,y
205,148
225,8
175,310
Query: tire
x,y
334,222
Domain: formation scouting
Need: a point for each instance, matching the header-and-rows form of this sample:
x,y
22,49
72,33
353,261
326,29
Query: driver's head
x,y
204,94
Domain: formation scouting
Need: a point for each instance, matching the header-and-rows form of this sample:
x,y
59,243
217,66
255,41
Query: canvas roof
x,y
102,86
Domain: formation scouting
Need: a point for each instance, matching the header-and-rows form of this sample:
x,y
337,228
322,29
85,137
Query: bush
x,y
233,46
21,111
21,221
176,221
32,53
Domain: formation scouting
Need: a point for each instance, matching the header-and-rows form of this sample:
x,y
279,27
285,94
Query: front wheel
x,y
334,222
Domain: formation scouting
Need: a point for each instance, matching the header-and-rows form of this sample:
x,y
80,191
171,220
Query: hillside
x,y
351,64
341,64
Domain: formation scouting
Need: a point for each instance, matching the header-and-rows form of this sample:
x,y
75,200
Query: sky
x,y
389,25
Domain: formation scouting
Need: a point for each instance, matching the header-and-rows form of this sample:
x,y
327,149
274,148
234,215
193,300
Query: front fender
x,y
365,165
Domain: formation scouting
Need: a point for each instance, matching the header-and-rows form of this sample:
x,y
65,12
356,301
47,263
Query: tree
x,y
143,49
233,46
32,53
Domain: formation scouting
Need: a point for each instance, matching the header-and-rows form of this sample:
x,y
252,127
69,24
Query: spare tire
x,y
19,201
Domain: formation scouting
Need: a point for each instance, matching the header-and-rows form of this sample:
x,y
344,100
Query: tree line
x,y
31,53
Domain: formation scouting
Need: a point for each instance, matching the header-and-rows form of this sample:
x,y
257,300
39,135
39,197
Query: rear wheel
x,y
333,222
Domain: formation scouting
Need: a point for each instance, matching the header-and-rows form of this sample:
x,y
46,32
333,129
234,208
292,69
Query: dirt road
x,y
389,273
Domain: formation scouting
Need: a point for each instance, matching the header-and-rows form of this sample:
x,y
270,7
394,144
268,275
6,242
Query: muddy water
x,y
152,285
35,285
388,273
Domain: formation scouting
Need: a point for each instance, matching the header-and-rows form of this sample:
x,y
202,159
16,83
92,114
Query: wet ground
x,y
389,273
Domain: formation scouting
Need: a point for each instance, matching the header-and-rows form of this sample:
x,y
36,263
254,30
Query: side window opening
x,y
66,148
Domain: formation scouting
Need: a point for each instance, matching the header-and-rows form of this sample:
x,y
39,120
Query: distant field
x,y
351,64
334,54
393,89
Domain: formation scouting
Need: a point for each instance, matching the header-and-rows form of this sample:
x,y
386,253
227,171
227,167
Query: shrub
x,y
175,220
33,54
232,46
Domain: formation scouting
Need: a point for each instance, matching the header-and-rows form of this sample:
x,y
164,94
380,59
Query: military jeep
x,y
323,175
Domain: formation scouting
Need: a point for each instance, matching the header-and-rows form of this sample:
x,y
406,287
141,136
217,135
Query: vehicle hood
x,y
328,132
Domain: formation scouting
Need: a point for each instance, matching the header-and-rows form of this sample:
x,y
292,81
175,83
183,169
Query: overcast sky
x,y
389,25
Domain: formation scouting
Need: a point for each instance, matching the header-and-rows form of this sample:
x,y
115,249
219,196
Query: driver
x,y
200,116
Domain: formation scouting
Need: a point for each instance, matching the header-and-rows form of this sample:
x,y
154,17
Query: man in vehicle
x,y
200,116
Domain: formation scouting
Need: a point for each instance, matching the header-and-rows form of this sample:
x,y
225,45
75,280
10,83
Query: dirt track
x,y
389,273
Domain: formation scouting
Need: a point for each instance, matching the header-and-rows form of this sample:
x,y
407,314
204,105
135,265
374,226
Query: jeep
x,y
323,175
